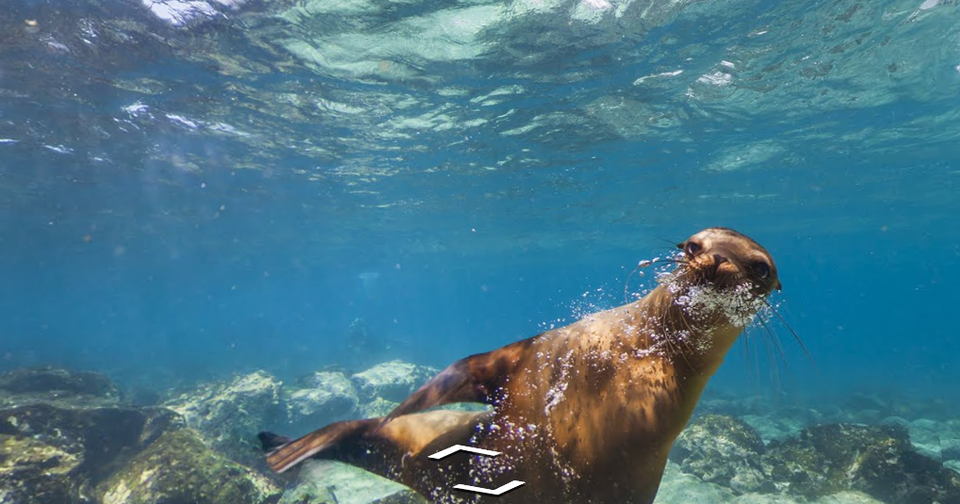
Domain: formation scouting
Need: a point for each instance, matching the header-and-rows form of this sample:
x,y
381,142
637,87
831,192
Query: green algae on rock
x,y
33,472
178,468
723,450
99,438
877,460
57,380
230,414
57,386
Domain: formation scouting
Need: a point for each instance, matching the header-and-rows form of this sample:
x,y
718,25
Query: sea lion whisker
x,y
752,357
772,357
769,337
673,244
759,329
792,332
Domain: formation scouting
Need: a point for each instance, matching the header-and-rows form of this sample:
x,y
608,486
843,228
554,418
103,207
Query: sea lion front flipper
x,y
284,456
361,443
477,379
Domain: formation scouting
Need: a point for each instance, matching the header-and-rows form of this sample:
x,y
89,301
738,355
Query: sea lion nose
x,y
719,259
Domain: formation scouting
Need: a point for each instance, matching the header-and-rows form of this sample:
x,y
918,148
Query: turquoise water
x,y
185,194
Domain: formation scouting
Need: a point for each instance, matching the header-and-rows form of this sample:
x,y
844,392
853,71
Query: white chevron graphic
x,y
459,447
497,491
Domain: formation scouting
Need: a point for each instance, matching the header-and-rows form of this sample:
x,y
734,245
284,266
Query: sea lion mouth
x,y
719,271
716,288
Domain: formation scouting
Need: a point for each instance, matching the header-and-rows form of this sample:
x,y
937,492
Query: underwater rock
x,y
33,472
30,385
677,487
179,468
950,449
723,450
331,482
49,453
845,497
96,436
378,407
877,460
938,440
680,488
334,380
229,415
332,397
394,380
924,435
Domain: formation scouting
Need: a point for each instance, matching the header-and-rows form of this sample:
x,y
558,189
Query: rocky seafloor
x,y
70,437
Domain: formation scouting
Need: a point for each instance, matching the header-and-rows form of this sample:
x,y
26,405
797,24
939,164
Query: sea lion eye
x,y
692,248
761,269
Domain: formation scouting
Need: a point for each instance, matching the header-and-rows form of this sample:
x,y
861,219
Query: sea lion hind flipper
x,y
477,379
270,441
287,455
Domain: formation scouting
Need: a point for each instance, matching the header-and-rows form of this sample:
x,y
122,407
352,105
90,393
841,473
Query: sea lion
x,y
586,413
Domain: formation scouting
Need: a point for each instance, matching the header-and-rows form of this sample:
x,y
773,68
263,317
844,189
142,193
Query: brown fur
x,y
582,414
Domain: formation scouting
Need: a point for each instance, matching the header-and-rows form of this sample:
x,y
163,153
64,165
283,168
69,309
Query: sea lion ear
x,y
778,286
681,245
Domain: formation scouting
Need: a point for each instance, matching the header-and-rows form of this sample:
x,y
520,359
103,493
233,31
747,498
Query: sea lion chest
x,y
583,417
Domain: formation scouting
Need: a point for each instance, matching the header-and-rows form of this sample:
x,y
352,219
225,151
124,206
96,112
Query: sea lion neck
x,y
695,347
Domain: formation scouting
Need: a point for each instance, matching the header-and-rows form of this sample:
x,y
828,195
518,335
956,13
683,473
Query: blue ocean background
x,y
184,198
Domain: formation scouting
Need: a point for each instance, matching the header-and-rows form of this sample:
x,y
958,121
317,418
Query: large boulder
x,y
48,454
57,386
34,472
330,396
179,468
57,380
877,460
723,450
229,414
393,381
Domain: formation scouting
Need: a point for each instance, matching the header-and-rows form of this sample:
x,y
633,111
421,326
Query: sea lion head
x,y
722,273
728,259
